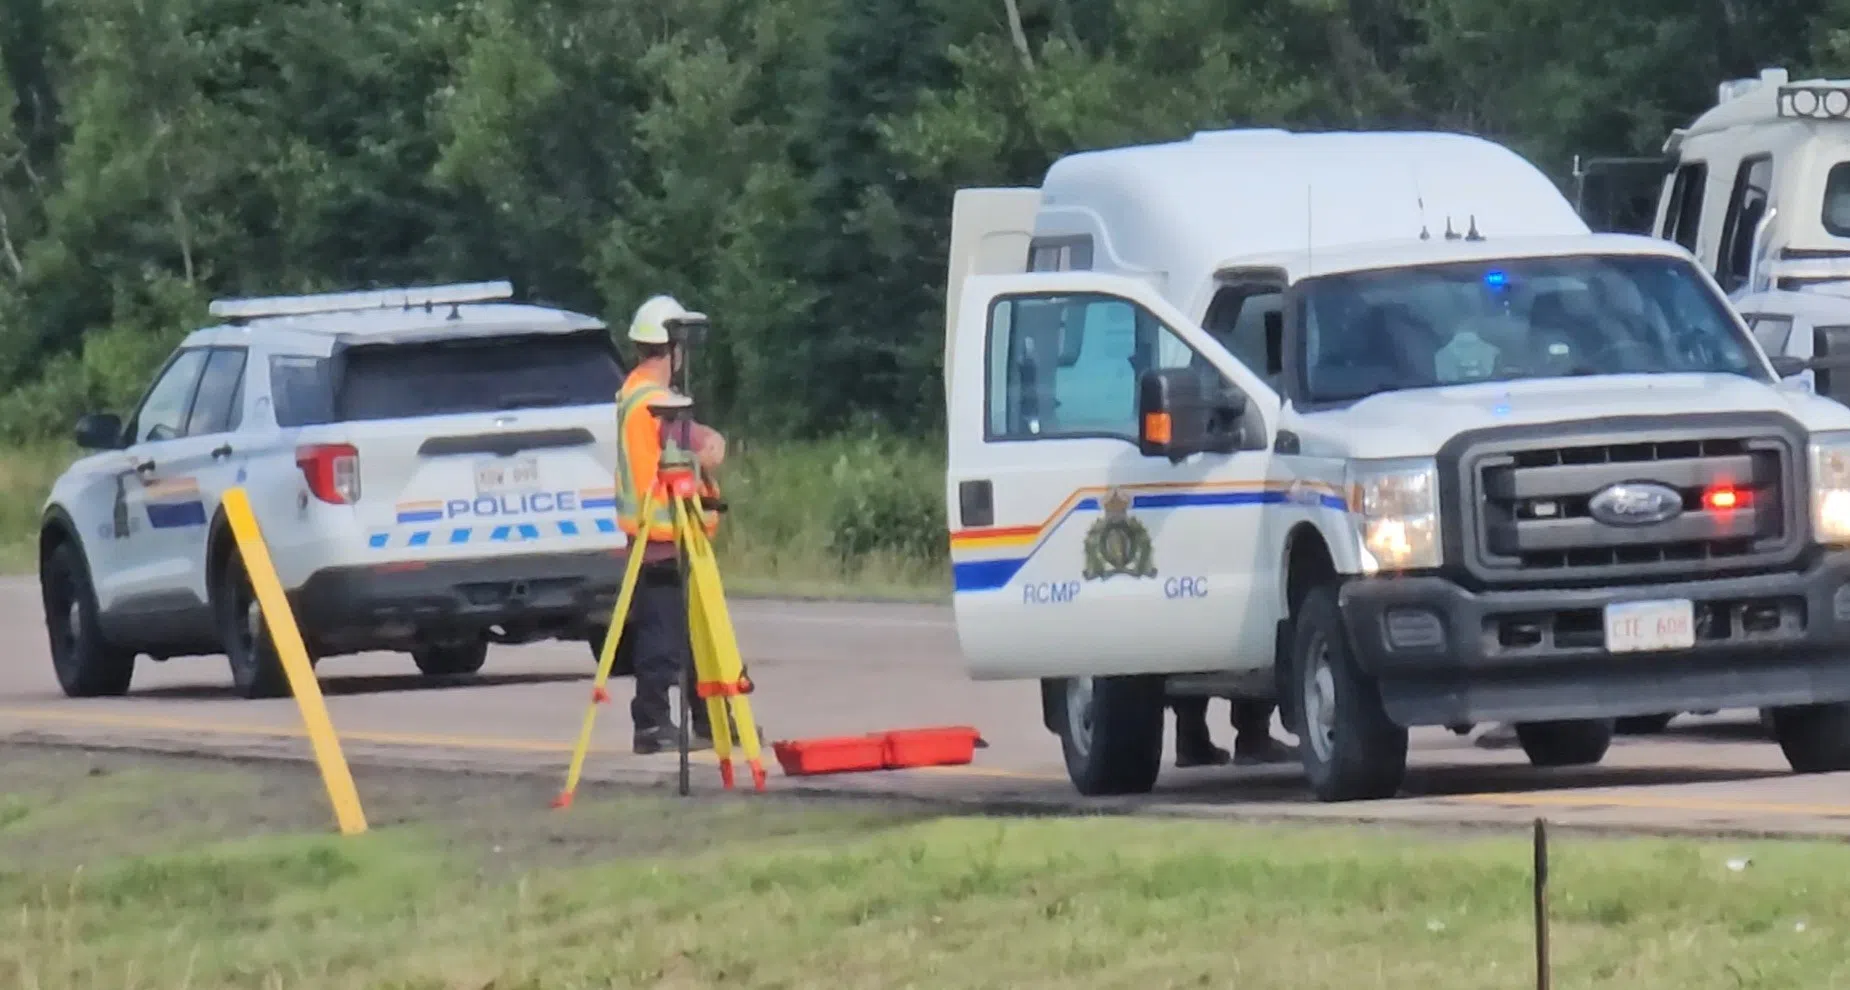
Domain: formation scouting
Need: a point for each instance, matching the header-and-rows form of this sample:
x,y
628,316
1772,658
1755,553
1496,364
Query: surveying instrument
x,y
719,671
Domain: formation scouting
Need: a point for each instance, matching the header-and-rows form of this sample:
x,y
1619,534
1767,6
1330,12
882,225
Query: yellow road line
x,y
114,720
1652,802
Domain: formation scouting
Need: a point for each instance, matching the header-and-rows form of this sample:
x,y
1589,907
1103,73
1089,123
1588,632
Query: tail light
x,y
332,471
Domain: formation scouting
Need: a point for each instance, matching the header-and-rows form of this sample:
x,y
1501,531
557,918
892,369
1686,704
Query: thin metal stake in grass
x,y
1542,981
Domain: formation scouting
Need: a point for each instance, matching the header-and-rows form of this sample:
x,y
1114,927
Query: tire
x,y
1815,738
1350,749
256,668
451,659
1111,733
1643,725
1571,743
87,664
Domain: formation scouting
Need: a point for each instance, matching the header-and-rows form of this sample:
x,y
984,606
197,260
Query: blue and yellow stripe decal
x,y
174,503
989,558
417,512
597,498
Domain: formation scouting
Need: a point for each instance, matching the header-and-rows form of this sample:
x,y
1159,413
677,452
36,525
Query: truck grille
x,y
1528,513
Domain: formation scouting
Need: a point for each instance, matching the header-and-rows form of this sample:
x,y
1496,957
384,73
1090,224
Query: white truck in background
x,y
1373,426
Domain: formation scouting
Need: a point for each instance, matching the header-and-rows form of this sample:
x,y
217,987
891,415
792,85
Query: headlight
x,y
1396,508
1830,488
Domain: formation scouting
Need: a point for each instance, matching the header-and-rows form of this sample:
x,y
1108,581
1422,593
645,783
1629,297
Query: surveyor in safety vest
x,y
658,613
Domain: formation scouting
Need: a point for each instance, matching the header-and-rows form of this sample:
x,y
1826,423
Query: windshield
x,y
1514,318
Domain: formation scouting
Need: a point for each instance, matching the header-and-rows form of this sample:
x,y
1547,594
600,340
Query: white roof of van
x,y
1399,254
1185,209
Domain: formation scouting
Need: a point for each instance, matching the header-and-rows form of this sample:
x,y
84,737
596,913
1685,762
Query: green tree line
x,y
784,165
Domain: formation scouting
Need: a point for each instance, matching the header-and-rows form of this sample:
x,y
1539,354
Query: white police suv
x,y
431,467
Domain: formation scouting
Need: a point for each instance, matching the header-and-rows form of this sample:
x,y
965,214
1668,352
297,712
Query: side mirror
x,y
100,431
1181,412
1785,365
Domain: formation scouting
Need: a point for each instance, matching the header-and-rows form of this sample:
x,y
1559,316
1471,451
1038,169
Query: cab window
x,y
1246,320
216,409
1067,365
1837,200
164,411
1771,331
1753,183
1683,219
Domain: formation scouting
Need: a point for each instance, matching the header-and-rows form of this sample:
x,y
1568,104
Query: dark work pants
x,y
1250,718
663,649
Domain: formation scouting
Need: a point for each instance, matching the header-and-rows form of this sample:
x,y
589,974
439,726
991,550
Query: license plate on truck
x,y
507,476
1640,627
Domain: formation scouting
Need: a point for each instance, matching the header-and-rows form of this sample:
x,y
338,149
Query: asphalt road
x,y
827,669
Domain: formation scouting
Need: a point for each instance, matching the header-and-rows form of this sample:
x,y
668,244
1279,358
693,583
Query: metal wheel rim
x,y
1079,714
1320,700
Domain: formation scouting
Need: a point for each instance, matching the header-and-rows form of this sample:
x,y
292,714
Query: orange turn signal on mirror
x,y
1156,427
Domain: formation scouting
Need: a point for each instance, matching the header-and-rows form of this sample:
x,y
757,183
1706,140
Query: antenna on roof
x,y
1310,223
1450,234
1472,234
1419,200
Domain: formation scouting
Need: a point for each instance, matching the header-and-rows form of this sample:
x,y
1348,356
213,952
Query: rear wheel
x,y
1570,743
451,659
1815,738
1111,733
87,665
256,667
1350,748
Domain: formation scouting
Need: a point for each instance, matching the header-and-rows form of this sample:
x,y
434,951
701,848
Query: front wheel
x,y
1350,748
1571,743
1112,733
87,665
1815,738
451,659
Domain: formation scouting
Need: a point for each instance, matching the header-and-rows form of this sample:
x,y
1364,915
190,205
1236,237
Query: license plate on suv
x,y
1642,627
507,475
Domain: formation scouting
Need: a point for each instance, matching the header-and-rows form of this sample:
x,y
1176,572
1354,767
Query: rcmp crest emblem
x,y
1118,543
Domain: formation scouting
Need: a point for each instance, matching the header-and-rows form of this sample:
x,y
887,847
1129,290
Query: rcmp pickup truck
x,y
1372,425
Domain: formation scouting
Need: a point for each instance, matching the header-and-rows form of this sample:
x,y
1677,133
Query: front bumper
x,y
1446,655
510,599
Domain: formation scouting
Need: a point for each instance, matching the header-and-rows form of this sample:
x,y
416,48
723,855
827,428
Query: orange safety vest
x,y
639,451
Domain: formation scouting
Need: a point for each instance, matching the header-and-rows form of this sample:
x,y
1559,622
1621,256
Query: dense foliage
x,y
785,165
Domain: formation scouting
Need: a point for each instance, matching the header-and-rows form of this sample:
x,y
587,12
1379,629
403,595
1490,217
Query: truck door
x,y
1073,554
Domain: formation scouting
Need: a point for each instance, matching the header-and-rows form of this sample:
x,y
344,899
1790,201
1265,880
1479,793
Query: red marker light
x,y
1723,498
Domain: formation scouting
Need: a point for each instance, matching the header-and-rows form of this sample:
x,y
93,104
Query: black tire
x,y
87,664
1815,738
1643,725
1570,743
451,659
256,668
1111,733
1350,749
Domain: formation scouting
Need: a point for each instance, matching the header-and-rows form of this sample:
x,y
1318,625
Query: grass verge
x,y
139,872
858,517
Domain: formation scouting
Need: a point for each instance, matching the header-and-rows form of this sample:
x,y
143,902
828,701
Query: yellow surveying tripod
x,y
721,683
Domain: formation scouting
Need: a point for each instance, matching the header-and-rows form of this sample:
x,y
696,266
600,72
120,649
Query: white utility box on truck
x,y
1370,424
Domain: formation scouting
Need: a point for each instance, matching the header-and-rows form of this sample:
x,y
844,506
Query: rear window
x,y
468,376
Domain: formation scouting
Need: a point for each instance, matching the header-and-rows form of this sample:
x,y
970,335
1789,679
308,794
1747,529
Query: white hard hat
x,y
650,324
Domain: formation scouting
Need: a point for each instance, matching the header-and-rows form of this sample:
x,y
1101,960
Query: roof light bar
x,y
1815,101
335,302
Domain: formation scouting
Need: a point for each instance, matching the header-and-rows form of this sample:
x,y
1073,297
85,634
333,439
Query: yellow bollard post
x,y
279,618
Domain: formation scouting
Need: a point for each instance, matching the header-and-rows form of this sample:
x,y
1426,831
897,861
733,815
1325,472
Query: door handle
x,y
221,452
145,467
